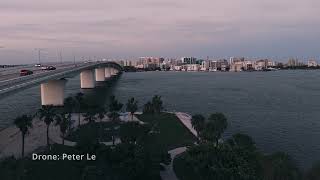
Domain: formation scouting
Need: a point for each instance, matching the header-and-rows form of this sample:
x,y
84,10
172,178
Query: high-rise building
x,y
189,60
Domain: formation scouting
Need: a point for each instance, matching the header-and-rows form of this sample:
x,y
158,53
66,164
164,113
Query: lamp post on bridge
x,y
39,54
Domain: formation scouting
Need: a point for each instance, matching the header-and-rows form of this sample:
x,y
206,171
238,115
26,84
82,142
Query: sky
x,y
168,28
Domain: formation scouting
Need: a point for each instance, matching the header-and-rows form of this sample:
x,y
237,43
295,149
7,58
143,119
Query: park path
x,y
186,121
168,173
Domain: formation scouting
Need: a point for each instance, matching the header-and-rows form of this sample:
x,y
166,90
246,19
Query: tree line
x,y
234,158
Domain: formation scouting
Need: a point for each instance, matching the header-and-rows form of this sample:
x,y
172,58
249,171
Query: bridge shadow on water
x,y
100,95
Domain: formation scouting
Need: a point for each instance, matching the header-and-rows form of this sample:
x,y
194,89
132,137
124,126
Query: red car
x,y
25,72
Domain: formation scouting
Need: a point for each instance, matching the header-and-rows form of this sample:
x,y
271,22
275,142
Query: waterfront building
x,y
127,63
193,67
150,62
312,63
237,66
223,65
204,66
293,62
188,60
260,64
248,65
213,65
177,68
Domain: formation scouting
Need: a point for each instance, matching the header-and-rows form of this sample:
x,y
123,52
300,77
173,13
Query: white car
x,y
37,65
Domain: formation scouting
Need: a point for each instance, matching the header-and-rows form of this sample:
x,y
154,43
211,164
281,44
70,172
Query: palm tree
x,y
63,120
114,104
114,108
47,114
79,105
157,104
148,108
101,111
69,107
132,106
114,116
69,104
216,125
90,116
101,115
23,122
198,122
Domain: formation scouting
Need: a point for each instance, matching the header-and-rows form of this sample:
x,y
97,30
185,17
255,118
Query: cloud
x,y
163,27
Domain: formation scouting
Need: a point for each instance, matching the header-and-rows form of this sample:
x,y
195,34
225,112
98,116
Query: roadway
x,y
10,80
14,72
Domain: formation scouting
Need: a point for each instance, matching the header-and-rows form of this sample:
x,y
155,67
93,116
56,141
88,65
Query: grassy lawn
x,y
96,130
172,134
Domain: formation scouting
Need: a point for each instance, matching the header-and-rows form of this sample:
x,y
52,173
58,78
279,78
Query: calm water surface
x,y
280,110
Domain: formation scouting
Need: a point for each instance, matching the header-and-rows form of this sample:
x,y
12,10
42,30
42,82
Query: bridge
x,y
53,82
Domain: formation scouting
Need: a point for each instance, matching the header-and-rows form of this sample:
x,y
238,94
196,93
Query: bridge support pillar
x,y
113,72
52,92
100,76
87,79
107,72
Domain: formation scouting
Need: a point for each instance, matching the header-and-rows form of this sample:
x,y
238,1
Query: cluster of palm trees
x,y
49,114
155,106
209,130
63,117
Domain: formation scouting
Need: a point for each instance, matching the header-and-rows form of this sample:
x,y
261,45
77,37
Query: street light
x,y
39,54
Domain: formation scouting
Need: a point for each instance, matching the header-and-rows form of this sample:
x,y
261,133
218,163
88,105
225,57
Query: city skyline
x,y
178,28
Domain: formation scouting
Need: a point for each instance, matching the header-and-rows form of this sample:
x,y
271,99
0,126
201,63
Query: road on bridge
x,y
6,74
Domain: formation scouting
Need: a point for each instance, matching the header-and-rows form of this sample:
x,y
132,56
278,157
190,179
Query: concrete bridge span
x,y
52,83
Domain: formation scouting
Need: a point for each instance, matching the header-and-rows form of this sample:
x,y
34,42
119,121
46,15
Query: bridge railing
x,y
42,77
22,79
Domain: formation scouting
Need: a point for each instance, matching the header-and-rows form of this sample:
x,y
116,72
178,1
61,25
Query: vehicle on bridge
x,y
48,68
25,72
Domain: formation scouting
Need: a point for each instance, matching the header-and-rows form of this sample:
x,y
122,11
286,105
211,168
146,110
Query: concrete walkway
x,y
186,121
168,173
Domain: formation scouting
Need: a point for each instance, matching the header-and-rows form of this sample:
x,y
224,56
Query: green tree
x,y
69,105
132,106
114,105
313,173
101,115
216,125
47,114
198,122
148,108
91,114
24,123
101,112
79,105
280,166
157,104
242,141
134,162
114,108
206,162
63,120
132,132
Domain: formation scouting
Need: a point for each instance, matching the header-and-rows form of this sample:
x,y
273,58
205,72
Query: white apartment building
x,y
312,63
193,67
